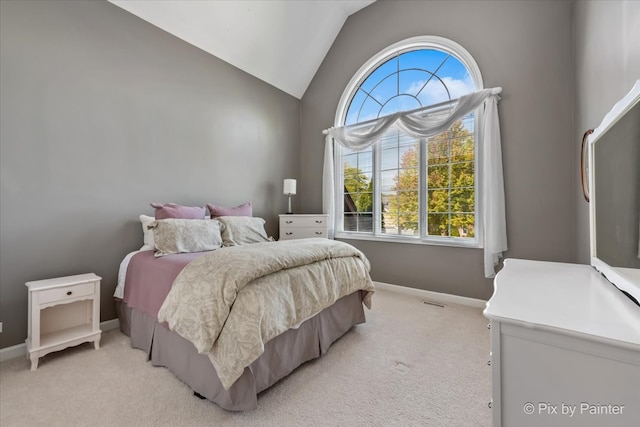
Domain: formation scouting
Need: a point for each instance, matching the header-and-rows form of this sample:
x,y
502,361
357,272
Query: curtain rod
x,y
494,91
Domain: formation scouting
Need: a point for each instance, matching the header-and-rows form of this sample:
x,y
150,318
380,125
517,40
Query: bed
x,y
229,352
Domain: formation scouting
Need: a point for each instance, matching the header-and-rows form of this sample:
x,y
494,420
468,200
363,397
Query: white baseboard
x,y
432,296
108,325
20,350
13,352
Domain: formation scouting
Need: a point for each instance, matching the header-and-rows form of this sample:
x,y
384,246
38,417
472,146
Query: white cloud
x,y
435,91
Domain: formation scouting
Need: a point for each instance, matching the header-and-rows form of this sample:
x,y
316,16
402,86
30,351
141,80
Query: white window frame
x,y
414,43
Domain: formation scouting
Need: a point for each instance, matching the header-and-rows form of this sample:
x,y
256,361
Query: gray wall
x,y
607,53
524,46
102,113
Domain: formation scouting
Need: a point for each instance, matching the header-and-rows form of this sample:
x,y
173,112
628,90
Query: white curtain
x,y
422,124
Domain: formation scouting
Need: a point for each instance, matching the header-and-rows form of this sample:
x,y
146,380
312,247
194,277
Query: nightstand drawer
x,y
303,221
302,233
67,292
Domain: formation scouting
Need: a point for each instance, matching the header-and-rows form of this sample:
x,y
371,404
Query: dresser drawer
x,y
303,221
302,233
67,292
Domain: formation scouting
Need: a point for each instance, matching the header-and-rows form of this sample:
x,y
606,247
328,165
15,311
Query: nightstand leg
x,y
96,344
34,361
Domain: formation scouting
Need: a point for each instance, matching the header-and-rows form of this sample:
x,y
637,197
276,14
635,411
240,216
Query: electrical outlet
x,y
0,327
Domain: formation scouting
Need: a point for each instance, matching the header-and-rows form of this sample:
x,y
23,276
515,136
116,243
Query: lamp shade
x,y
289,186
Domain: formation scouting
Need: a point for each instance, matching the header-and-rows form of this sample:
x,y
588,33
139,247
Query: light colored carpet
x,y
411,364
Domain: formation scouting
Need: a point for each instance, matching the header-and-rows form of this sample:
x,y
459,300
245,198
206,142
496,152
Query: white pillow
x,y
242,230
175,236
149,242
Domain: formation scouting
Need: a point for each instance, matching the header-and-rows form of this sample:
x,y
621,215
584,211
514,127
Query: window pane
x,y
399,103
427,59
389,228
370,109
345,151
411,81
388,179
389,200
389,212
350,203
406,140
364,202
438,201
354,107
351,183
408,224
407,179
460,82
434,92
365,222
408,201
390,139
462,174
386,88
438,150
463,200
380,73
404,202
469,123
350,161
365,161
438,224
357,171
409,155
438,176
462,149
462,225
350,222
389,158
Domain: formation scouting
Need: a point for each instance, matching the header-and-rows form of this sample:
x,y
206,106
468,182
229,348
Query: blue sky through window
x,y
407,81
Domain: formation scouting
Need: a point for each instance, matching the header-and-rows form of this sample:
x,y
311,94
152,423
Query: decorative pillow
x,y
241,230
174,236
171,210
149,242
240,210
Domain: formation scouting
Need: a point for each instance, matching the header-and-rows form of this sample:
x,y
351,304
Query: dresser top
x,y
571,297
62,281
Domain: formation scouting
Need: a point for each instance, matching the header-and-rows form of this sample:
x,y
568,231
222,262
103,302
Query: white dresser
x,y
301,226
565,348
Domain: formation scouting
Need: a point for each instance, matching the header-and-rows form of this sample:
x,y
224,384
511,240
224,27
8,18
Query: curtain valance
x,y
423,123
420,123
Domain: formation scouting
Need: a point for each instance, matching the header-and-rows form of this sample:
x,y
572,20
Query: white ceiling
x,y
281,42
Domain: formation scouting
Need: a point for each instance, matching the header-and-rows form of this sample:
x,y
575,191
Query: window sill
x,y
433,241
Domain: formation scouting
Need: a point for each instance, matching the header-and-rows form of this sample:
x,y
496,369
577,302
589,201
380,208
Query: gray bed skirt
x,y
281,355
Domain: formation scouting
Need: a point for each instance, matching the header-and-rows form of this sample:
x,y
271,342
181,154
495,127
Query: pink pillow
x,y
240,210
171,210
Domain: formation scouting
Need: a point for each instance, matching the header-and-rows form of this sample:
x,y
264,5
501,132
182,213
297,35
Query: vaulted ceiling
x,y
281,42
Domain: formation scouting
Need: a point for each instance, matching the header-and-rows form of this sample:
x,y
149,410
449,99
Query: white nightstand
x,y
300,226
63,312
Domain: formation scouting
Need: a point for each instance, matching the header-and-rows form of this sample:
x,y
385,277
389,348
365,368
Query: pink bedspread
x,y
149,279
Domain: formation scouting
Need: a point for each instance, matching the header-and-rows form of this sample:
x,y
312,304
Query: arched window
x,y
402,188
